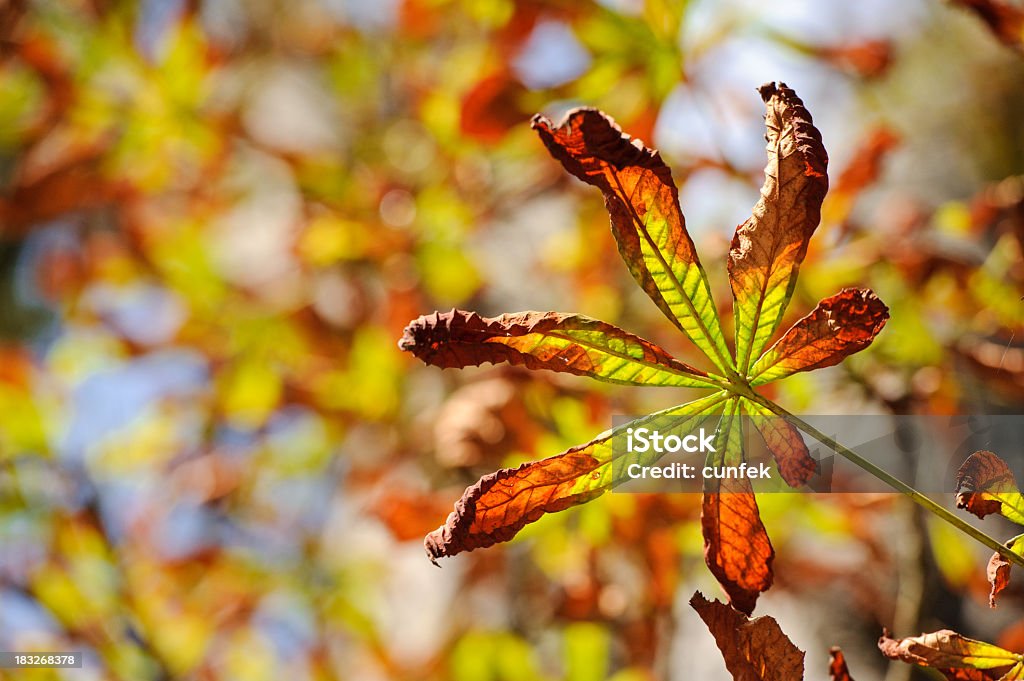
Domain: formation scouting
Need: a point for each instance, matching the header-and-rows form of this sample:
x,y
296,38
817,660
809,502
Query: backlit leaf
x,y
754,649
998,571
984,485
783,440
559,342
646,219
838,327
649,228
500,504
768,248
954,655
736,545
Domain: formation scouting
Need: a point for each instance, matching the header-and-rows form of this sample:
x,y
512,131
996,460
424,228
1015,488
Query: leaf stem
x,y
917,497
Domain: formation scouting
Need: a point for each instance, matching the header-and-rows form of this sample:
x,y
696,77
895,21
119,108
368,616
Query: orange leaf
x,y
838,327
502,503
867,59
491,108
754,649
568,343
407,512
956,656
998,573
985,485
646,219
768,248
837,670
736,545
787,446
861,172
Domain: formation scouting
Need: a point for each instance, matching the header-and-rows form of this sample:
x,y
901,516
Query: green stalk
x,y
894,482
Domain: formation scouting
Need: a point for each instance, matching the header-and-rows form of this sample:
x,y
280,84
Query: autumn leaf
x,y
492,107
754,649
985,485
784,442
736,545
866,58
649,226
998,570
558,342
861,171
837,670
502,503
646,220
955,656
768,248
838,327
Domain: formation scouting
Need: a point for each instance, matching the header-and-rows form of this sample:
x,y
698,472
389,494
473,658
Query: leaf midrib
x,y
642,227
744,364
634,360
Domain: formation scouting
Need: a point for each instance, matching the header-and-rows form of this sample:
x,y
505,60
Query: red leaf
x,y
998,573
838,327
646,219
837,670
567,343
979,482
492,107
753,649
868,59
736,545
502,503
787,447
862,171
866,166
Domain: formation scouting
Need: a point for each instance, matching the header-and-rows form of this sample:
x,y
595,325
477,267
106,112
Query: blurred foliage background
x,y
217,217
